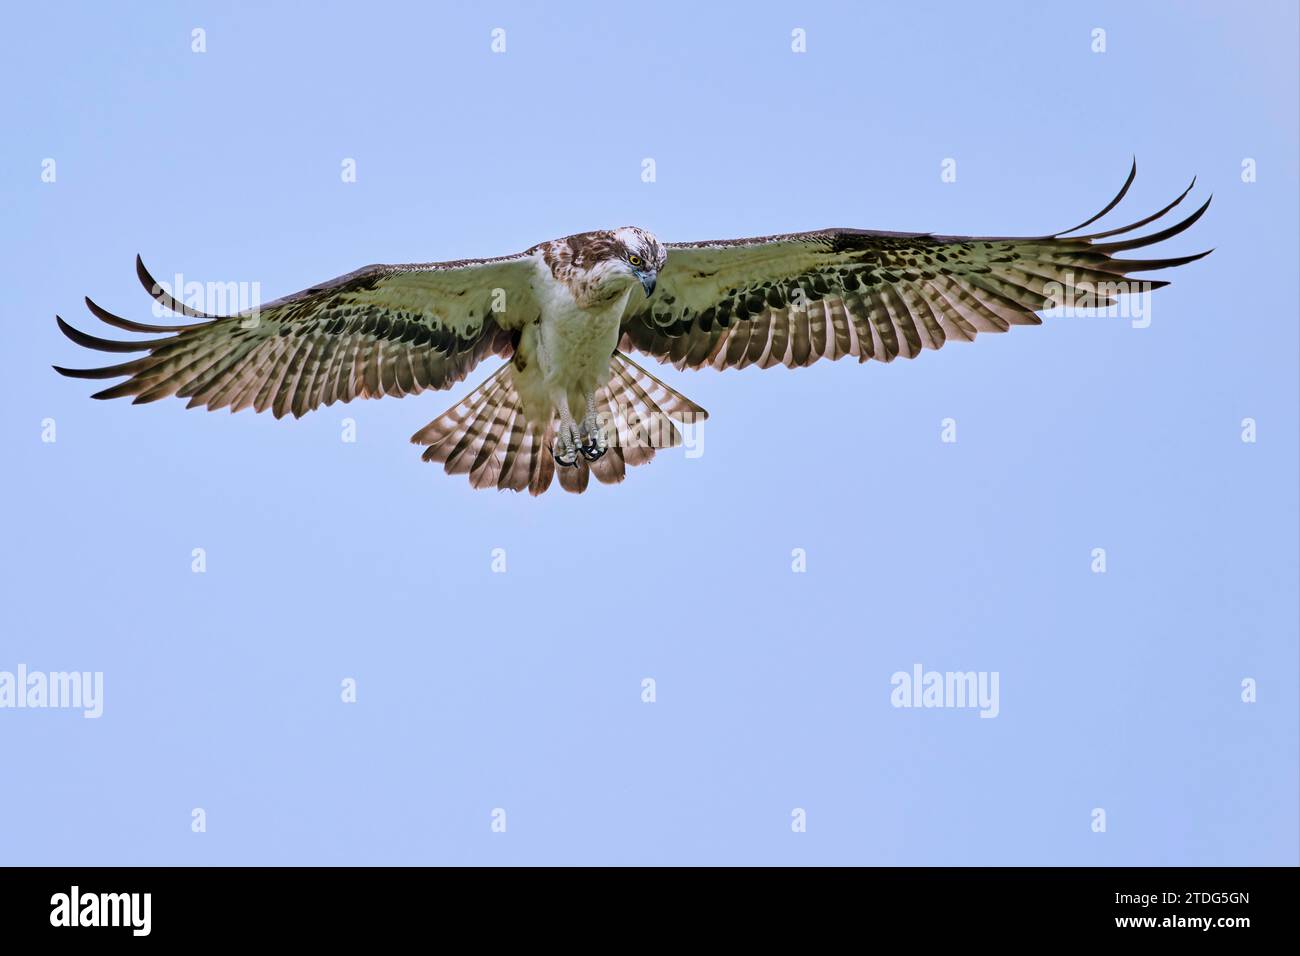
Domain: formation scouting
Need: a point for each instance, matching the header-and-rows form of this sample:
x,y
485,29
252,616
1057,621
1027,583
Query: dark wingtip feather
x,y
128,325
107,371
155,289
1148,265
1123,191
104,345
1140,241
1092,237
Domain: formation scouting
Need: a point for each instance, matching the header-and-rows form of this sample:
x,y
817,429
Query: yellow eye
x,y
635,260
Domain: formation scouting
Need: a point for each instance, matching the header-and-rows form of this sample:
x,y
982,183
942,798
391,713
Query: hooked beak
x,y
647,282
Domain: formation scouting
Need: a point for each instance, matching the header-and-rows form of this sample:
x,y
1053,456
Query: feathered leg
x,y
568,437
594,441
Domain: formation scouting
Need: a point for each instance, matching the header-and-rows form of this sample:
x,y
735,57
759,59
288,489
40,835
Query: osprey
x,y
565,313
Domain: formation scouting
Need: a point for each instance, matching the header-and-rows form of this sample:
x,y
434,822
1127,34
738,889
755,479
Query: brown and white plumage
x,y
382,330
562,311
873,295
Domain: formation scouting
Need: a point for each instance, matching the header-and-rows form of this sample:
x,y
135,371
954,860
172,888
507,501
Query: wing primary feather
x,y
1140,241
1141,222
108,371
107,345
155,289
127,325
1126,266
1123,191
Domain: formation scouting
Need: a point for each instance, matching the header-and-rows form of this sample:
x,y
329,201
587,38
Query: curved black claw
x,y
592,451
562,461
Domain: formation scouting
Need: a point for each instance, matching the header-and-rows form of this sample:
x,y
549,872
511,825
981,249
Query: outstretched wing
x,y
793,299
382,330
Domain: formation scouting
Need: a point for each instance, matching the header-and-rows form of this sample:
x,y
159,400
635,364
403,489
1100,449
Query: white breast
x,y
575,344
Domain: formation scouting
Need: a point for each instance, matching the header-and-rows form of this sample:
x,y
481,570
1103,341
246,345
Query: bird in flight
x,y
569,400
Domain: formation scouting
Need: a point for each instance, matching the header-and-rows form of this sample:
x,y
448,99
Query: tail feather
x,y
515,437
647,428
575,479
522,467
488,437
542,468
644,411
486,467
657,396
478,430
452,421
611,468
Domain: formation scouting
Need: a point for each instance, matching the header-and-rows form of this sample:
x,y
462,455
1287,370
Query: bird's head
x,y
640,255
600,266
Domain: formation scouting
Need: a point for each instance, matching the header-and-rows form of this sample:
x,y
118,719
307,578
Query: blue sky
x,y
522,691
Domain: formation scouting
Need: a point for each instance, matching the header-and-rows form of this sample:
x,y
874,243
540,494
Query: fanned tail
x,y
488,437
